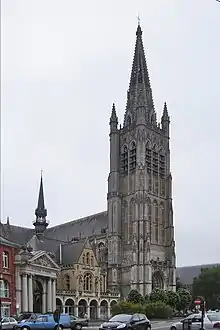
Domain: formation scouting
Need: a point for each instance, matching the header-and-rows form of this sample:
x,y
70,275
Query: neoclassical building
x,y
99,258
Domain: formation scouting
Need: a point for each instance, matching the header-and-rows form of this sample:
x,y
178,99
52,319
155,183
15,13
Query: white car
x,y
8,323
211,321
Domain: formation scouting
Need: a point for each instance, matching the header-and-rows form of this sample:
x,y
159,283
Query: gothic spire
x,y
139,93
41,212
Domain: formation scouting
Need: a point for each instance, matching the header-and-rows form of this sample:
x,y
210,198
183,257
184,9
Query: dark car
x,y
127,321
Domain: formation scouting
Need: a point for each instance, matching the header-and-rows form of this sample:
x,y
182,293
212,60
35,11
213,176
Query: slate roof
x,y
72,251
84,227
16,234
6,242
187,274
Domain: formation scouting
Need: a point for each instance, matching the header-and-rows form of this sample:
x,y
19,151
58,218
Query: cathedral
x,y
129,246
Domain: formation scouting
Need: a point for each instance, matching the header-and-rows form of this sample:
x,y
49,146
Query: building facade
x,y
132,243
7,277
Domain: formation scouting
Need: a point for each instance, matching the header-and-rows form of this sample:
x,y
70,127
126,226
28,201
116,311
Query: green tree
x,y
185,299
173,298
158,295
135,297
207,285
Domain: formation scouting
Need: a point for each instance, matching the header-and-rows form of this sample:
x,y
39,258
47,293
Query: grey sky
x,y
65,62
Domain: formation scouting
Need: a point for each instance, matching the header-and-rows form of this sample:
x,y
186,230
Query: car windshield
x,y
214,317
120,318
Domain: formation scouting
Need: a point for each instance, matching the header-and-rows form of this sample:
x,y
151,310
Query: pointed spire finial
x,y
41,212
138,17
114,118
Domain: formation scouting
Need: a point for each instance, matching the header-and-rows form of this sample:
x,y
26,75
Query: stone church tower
x,y
141,243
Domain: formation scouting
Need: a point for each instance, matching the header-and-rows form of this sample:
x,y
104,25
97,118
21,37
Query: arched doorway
x,y
82,305
69,306
104,309
59,305
93,309
37,296
112,304
157,281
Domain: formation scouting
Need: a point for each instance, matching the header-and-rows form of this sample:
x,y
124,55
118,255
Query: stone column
x,y
24,293
98,312
109,311
54,294
18,292
88,310
49,295
44,303
76,310
30,293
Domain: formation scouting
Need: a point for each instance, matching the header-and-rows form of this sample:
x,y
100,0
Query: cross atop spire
x,y
41,212
139,93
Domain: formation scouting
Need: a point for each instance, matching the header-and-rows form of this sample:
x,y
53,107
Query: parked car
x,y
8,323
211,320
27,316
127,321
47,321
78,322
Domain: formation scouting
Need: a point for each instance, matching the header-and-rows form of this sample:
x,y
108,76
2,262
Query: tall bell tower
x,y
140,218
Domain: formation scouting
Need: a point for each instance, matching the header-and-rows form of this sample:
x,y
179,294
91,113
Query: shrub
x,y
158,310
172,298
185,299
158,295
135,297
126,307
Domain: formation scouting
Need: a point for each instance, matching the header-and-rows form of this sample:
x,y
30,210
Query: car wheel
x,y
148,327
25,328
173,328
78,326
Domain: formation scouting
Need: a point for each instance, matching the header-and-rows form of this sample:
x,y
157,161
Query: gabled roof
x,y
72,251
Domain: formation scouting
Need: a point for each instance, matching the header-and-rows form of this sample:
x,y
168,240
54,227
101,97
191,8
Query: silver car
x,y
8,323
211,321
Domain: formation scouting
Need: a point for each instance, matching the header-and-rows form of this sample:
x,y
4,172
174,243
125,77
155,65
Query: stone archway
x,y
59,305
157,280
104,309
93,309
37,296
82,306
69,306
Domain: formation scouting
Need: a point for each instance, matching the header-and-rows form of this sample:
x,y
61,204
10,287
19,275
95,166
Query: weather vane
x,y
138,19
41,171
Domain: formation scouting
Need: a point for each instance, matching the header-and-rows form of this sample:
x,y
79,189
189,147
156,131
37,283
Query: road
x,y
166,324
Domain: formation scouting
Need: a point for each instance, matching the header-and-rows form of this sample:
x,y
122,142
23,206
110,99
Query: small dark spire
x,y
8,221
165,116
113,119
41,212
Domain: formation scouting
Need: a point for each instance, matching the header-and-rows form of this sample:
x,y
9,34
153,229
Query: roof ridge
x,y
78,220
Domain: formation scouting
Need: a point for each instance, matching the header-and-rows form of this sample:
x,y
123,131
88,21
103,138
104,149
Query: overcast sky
x,y
65,62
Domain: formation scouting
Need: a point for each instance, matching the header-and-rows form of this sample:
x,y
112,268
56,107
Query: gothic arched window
x,y
92,261
132,156
83,258
156,221
124,160
66,282
87,282
128,121
131,218
87,258
125,220
163,223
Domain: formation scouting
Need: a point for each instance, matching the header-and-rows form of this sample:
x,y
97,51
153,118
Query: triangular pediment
x,y
41,258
